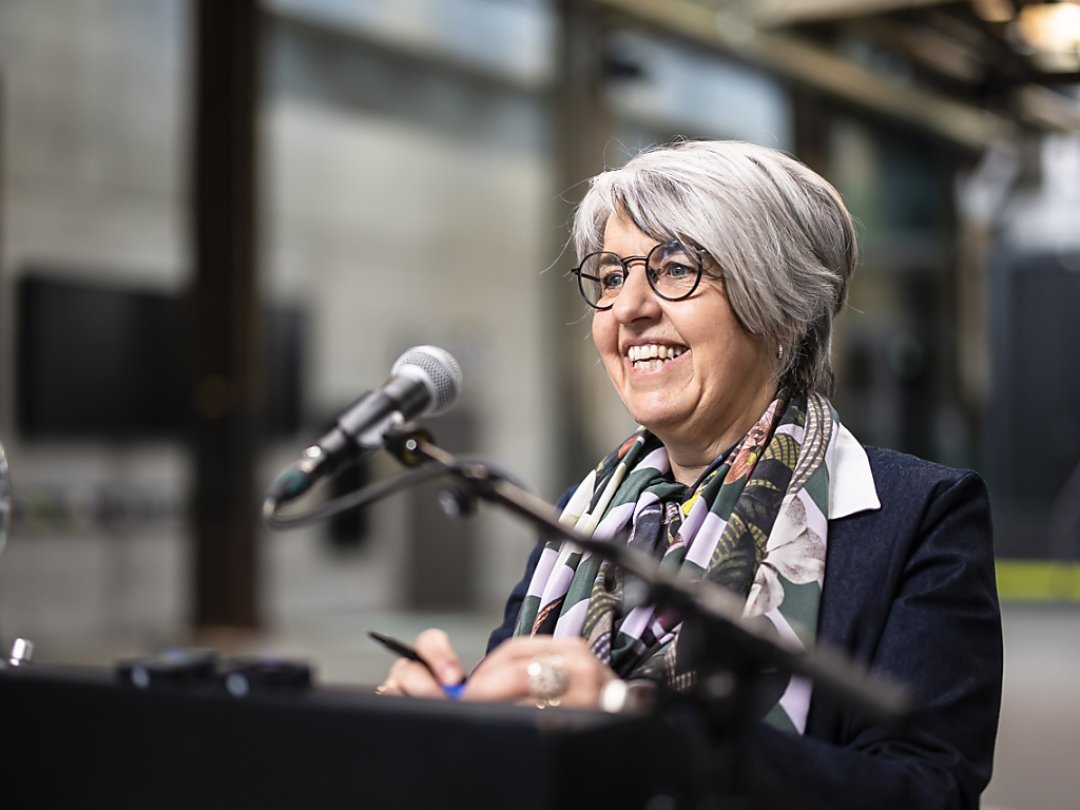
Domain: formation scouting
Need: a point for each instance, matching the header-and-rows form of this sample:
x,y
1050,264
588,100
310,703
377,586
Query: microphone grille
x,y
439,372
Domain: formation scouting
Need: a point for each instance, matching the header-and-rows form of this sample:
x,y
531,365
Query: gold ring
x,y
548,680
385,687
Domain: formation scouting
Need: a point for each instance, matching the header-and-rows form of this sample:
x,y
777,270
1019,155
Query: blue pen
x,y
452,691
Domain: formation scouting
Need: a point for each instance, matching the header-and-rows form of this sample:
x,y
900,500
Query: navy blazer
x,y
910,592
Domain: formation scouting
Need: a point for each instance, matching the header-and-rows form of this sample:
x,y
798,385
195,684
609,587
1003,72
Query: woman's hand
x,y
413,678
537,670
540,670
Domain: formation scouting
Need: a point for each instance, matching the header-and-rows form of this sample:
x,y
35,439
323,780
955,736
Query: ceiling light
x,y
1051,31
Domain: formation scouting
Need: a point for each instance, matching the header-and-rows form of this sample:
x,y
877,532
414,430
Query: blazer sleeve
x,y
513,603
915,599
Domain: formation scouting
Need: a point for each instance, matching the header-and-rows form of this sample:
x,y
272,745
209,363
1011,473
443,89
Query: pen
x,y
452,691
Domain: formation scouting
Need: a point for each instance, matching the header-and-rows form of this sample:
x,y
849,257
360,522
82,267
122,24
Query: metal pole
x,y
224,321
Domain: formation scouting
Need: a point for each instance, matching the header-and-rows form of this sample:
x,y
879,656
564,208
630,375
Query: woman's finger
x,y
411,678
433,645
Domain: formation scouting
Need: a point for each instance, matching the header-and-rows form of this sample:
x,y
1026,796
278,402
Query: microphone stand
x,y
727,652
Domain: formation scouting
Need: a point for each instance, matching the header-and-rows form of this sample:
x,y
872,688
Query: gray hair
x,y
780,233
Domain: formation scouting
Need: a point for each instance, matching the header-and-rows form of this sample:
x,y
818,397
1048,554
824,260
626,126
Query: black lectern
x,y
84,738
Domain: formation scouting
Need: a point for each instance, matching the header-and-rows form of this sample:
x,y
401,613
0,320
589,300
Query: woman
x,y
715,270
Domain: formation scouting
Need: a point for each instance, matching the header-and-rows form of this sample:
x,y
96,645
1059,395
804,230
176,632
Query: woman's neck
x,y
690,458
688,474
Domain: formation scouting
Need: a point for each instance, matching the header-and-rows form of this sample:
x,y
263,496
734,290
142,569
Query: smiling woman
x,y
687,401
715,270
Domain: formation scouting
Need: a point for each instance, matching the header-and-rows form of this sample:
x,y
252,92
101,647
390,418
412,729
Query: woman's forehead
x,y
639,226
621,230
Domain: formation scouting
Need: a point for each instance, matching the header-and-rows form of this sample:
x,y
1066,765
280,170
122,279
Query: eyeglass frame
x,y
625,262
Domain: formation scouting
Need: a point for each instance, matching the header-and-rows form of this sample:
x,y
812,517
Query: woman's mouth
x,y
651,356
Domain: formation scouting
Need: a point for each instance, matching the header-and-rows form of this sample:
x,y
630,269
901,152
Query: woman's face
x,y
685,369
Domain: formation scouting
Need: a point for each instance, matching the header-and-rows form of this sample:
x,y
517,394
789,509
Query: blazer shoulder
x,y
901,472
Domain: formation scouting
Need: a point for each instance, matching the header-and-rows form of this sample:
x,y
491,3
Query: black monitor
x,y
105,360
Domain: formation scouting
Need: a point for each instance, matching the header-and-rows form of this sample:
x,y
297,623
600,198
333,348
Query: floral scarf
x,y
755,523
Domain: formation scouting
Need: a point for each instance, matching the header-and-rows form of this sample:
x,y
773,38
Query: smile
x,y
652,355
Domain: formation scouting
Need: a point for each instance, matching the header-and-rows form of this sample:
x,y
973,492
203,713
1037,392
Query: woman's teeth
x,y
652,355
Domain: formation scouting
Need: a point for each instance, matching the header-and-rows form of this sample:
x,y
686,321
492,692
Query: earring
x,y
780,351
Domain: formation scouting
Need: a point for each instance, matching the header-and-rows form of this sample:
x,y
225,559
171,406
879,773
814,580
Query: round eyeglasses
x,y
672,269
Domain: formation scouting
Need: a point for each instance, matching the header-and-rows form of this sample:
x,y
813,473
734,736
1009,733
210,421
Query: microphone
x,y
424,381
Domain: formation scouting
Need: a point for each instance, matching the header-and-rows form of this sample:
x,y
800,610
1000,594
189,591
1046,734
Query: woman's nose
x,y
636,299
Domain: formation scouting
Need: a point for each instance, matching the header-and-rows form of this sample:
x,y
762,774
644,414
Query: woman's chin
x,y
658,420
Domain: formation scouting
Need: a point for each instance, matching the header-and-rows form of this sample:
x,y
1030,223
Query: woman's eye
x,y
675,271
611,279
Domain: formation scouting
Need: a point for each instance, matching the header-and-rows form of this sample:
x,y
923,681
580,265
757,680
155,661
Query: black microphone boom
x,y
425,381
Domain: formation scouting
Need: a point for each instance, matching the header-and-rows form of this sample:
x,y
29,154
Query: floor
x,y
1037,765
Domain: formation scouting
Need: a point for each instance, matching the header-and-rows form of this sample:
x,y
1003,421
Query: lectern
x,y
90,738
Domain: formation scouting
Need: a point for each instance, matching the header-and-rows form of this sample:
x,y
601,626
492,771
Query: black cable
x,y
352,500
374,492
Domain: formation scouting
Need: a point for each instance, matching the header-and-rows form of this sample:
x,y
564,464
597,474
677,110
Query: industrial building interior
x,y
220,223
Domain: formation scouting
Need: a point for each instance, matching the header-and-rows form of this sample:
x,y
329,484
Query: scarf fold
x,y
754,524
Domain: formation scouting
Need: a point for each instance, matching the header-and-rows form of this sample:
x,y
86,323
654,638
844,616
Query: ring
x,y
385,687
548,680
633,697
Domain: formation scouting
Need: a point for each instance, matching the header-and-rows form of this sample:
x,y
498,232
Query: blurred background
x,y
220,223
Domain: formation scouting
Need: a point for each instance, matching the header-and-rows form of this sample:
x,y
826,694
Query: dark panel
x,y
1034,444
105,361
97,361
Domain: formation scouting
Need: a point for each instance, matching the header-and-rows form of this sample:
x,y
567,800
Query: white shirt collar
x,y
851,482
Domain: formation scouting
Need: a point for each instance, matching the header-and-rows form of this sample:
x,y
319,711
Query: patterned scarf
x,y
755,524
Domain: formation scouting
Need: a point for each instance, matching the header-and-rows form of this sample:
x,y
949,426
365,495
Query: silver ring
x,y
630,697
548,680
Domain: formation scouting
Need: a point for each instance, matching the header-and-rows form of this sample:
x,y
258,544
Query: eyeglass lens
x,y
673,272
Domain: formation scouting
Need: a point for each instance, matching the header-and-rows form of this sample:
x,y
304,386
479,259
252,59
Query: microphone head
x,y
437,370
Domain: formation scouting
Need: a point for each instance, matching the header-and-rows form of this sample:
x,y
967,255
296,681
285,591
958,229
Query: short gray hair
x,y
781,234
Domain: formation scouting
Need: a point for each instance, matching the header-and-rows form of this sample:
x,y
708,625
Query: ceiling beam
x,y
1048,108
794,12
799,61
